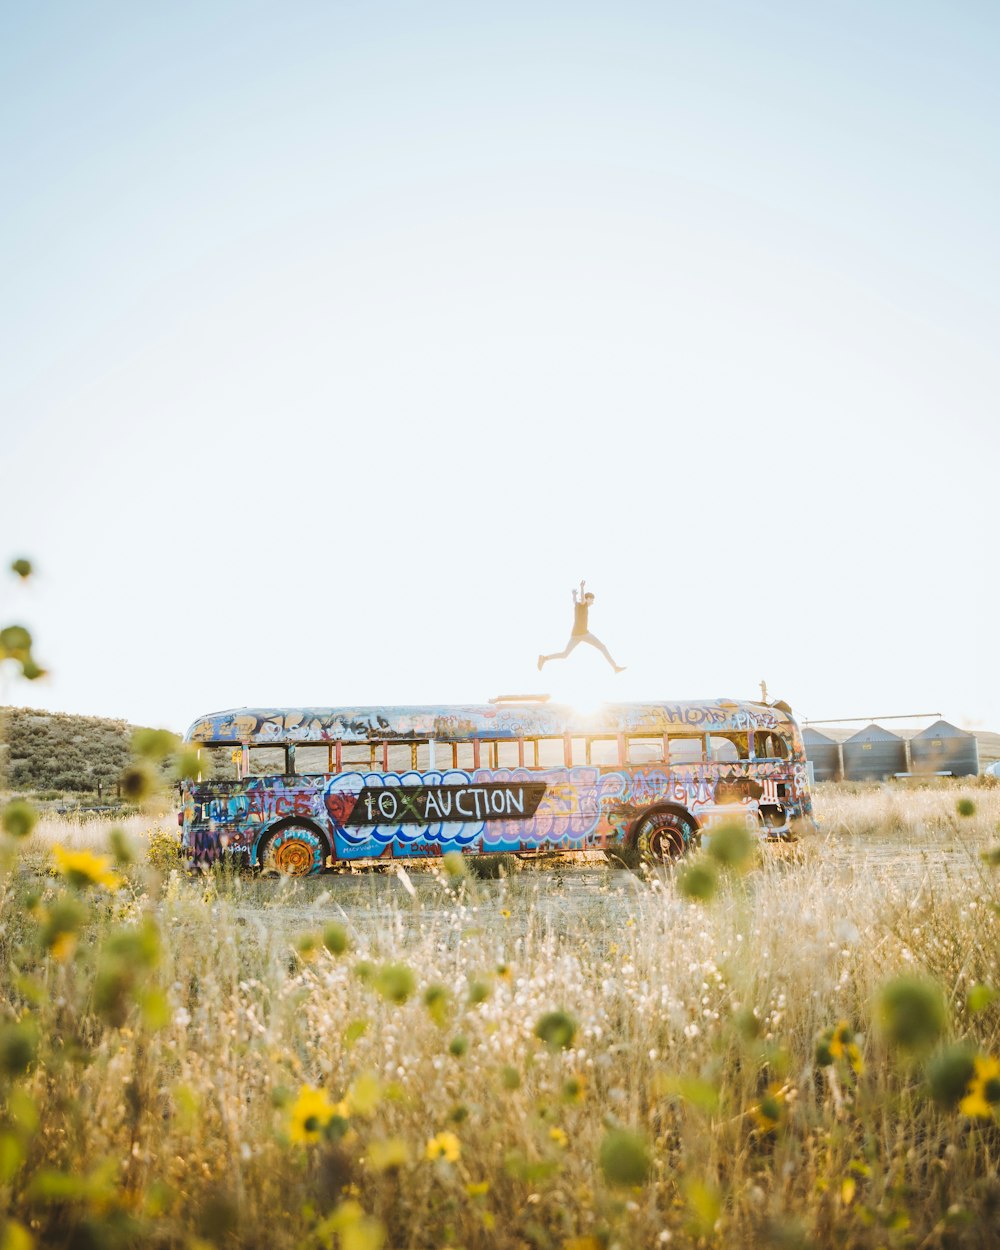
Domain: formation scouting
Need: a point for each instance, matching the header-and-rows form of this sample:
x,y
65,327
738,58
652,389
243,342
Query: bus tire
x,y
663,834
294,848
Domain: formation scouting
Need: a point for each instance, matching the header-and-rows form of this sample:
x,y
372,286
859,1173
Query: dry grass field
x,y
795,1051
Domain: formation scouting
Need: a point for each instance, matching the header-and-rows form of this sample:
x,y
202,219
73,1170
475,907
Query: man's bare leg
x,y
596,642
561,655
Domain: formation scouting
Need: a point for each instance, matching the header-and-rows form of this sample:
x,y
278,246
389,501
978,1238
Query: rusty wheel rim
x,y
293,858
666,844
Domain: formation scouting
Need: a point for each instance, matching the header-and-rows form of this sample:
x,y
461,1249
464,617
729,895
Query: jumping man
x,y
582,600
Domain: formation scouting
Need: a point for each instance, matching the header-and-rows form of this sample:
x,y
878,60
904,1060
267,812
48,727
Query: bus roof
x,y
447,723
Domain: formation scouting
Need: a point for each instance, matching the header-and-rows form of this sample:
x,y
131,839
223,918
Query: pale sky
x,y
340,340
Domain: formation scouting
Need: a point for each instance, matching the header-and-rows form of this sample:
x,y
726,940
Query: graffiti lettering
x,y
439,804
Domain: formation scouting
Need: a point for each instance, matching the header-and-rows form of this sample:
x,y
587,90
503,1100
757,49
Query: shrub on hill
x,y
54,751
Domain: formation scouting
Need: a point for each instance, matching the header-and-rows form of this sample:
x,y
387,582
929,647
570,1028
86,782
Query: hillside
x,y
42,751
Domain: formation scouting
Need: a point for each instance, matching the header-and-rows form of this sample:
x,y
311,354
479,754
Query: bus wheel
x,y
662,836
293,851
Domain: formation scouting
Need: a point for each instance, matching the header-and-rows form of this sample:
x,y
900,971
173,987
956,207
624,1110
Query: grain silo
x,y
944,748
824,755
874,754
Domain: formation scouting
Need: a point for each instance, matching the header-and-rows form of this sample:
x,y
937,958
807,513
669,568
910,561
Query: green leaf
x,y
154,744
731,844
12,1155
155,1009
18,1046
700,1094
436,1002
335,939
624,1158
355,1030
704,1206
949,1073
14,1236
911,1012
454,864
19,818
980,997
521,1168
395,982
556,1029
697,880
22,1110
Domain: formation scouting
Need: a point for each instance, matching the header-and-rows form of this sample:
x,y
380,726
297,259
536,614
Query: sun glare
x,y
583,682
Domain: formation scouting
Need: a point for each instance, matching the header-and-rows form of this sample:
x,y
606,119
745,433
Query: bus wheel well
x,y
664,831
279,833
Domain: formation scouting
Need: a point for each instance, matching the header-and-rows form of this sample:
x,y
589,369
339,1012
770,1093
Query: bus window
x,y
405,757
267,762
310,758
769,746
686,750
220,763
647,750
358,755
604,752
394,754
464,756
728,748
507,753
577,752
550,753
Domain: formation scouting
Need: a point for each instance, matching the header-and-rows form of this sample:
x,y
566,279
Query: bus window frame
x,y
616,739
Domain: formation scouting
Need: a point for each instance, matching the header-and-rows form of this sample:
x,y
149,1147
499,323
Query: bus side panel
x,y
568,815
583,807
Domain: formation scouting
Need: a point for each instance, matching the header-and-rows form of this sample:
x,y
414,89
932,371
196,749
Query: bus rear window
x,y
769,746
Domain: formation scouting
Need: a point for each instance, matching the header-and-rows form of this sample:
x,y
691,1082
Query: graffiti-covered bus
x,y
295,790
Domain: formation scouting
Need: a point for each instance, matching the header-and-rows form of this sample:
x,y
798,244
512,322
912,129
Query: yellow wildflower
x,y
476,1189
575,1088
63,945
770,1111
983,1091
505,912
84,868
558,1135
444,1146
843,1046
311,1112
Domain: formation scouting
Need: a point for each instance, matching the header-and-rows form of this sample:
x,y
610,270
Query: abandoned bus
x,y
298,789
